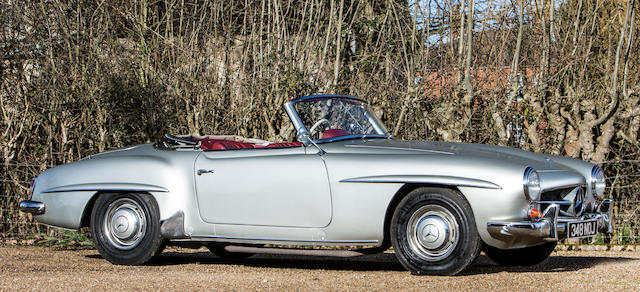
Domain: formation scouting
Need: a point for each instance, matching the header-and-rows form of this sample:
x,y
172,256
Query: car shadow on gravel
x,y
376,262
553,264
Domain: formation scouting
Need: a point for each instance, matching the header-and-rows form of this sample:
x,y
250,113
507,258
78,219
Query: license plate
x,y
586,228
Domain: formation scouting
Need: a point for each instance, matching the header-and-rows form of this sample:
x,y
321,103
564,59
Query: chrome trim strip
x,y
347,137
400,148
325,96
553,202
426,179
563,187
33,207
281,240
131,187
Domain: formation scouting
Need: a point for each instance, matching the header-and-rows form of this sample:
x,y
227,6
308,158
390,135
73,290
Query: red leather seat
x,y
221,144
280,145
331,133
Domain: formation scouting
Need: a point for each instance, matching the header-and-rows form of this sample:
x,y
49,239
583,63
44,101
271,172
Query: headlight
x,y
531,184
598,183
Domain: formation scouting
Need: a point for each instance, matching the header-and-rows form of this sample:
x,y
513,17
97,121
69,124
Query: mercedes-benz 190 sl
x,y
345,182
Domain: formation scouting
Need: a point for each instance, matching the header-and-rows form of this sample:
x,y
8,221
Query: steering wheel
x,y
355,120
317,124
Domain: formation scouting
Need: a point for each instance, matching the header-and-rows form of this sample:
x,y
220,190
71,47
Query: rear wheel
x,y
527,256
126,228
433,232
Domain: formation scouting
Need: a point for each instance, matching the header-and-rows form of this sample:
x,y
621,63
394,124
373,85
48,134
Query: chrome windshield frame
x,y
303,134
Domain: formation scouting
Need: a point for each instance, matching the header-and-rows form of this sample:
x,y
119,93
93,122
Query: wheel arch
x,y
85,220
399,195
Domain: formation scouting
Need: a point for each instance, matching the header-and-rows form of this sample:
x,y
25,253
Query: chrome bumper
x,y
550,227
33,207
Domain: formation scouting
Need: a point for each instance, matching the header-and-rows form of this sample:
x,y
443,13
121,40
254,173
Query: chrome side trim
x,y
426,179
347,137
400,148
554,202
130,187
326,95
277,240
568,186
33,207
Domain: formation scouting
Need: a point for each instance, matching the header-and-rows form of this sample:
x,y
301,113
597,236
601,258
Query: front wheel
x,y
433,232
527,256
126,228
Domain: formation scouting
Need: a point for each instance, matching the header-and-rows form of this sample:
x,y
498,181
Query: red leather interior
x,y
279,145
331,133
221,144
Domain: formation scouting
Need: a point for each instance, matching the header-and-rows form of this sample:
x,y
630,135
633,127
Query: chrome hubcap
x,y
125,223
432,232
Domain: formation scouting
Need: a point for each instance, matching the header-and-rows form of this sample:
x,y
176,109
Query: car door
x,y
267,187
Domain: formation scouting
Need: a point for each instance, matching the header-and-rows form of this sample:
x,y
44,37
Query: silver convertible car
x,y
346,182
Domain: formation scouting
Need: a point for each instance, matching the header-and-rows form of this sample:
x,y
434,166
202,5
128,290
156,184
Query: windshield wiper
x,y
179,140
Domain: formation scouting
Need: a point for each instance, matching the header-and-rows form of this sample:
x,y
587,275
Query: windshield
x,y
327,118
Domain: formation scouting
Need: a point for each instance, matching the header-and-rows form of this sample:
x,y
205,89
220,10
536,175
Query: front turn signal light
x,y
534,213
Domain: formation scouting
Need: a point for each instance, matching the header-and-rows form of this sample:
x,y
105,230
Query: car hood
x,y
540,162
500,165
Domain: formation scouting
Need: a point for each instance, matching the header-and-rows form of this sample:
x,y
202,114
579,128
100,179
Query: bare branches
x,y
550,76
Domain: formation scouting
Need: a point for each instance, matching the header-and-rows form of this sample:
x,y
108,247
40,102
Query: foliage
x,y
81,77
66,240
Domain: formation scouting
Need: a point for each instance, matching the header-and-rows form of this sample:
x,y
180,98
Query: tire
x,y
220,251
527,256
158,254
433,232
136,238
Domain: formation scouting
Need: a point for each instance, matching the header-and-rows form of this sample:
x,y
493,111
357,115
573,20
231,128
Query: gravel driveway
x,y
42,268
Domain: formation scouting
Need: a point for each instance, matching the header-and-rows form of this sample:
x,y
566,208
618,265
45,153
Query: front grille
x,y
566,199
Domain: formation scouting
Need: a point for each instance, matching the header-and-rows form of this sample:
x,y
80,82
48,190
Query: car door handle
x,y
201,171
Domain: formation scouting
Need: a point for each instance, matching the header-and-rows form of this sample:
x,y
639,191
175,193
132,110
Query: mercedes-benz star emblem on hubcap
x,y
431,233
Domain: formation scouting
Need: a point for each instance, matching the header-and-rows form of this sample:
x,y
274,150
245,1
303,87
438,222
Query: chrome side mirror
x,y
306,140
